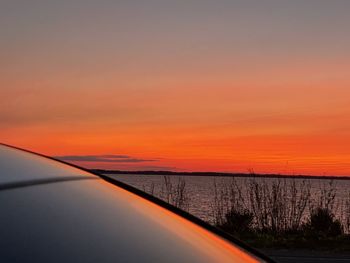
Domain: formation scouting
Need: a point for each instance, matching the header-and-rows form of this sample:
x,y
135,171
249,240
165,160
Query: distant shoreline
x,y
218,174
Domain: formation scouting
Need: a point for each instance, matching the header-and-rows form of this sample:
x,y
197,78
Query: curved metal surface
x,y
20,166
94,221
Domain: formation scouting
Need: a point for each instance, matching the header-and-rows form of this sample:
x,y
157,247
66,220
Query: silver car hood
x,y
53,212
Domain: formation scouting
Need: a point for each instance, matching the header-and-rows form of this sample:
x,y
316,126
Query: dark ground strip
x,y
304,256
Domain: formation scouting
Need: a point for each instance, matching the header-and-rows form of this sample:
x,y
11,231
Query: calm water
x,y
201,188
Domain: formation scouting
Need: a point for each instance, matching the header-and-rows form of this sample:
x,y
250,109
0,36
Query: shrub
x,y
175,193
237,223
322,224
276,205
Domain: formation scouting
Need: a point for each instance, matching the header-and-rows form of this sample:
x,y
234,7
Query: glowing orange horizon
x,y
262,154
232,138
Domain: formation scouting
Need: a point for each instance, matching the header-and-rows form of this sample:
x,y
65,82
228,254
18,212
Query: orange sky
x,y
200,93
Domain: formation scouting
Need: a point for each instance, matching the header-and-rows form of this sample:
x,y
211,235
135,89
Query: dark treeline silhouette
x,y
221,174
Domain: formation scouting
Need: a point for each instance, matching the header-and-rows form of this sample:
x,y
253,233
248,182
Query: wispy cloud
x,y
106,158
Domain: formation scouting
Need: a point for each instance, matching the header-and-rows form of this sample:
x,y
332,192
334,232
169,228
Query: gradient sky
x,y
181,85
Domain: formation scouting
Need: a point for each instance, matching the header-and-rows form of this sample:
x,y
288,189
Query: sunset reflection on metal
x,y
78,217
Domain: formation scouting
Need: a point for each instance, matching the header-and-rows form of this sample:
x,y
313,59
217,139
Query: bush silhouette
x,y
323,224
237,222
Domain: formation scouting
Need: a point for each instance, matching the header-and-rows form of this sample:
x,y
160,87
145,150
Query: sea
x,y
201,189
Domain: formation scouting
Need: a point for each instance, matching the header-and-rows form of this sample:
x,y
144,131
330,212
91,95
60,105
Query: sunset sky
x,y
192,85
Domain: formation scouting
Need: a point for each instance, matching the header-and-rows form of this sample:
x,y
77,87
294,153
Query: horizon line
x,y
222,174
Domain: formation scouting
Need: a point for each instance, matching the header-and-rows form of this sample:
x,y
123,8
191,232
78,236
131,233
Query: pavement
x,y
306,256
